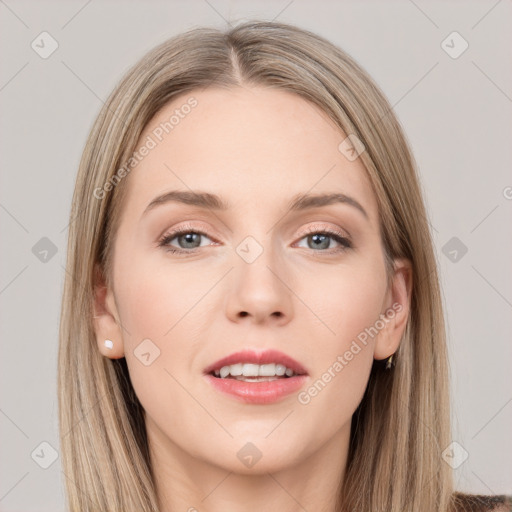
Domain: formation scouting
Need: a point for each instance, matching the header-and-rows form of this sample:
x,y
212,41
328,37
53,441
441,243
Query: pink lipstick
x,y
256,377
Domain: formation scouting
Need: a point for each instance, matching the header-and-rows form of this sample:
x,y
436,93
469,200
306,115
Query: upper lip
x,y
258,357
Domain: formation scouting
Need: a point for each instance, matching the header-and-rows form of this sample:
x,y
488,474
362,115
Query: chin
x,y
256,455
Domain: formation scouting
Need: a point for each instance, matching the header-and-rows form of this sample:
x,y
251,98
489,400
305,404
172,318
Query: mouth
x,y
252,366
256,377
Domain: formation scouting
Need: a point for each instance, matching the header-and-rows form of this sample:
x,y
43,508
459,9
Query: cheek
x,y
156,300
345,301
349,305
160,305
158,310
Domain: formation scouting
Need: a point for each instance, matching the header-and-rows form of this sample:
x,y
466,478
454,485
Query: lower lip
x,y
265,392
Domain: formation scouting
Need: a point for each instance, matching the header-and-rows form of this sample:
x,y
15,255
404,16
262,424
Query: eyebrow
x,y
214,202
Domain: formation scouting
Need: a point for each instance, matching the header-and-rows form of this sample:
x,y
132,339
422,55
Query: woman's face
x,y
307,281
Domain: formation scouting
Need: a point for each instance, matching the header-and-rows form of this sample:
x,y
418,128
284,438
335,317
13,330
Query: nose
x,y
258,292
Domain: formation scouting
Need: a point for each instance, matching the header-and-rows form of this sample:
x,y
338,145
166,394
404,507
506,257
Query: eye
x,y
319,240
186,237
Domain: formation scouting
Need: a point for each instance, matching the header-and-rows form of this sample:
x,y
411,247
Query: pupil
x,y
324,238
189,238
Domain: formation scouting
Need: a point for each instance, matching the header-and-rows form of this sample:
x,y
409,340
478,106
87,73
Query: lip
x,y
255,357
265,392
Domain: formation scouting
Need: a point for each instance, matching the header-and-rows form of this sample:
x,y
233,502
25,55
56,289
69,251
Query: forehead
x,y
256,147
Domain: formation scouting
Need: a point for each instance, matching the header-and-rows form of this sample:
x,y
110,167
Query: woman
x,y
251,317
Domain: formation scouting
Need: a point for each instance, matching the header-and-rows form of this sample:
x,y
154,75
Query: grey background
x,y
456,113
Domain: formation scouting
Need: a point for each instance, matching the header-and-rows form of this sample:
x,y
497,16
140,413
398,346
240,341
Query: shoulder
x,y
480,503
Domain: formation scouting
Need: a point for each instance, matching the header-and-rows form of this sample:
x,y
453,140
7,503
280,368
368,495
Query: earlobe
x,y
396,312
106,327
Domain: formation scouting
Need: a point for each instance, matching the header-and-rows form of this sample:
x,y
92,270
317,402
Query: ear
x,y
105,320
397,305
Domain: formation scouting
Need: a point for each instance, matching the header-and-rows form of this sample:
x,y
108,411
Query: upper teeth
x,y
254,370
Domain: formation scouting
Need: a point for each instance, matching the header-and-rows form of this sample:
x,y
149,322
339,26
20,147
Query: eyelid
x,y
185,226
315,228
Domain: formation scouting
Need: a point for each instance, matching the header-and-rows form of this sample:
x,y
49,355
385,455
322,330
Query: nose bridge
x,y
257,287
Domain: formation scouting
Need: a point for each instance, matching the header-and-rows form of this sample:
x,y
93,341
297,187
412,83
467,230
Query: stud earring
x,y
109,344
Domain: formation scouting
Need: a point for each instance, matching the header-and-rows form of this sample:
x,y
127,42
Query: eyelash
x,y
337,236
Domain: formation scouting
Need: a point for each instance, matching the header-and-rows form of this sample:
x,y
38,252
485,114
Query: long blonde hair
x,y
402,423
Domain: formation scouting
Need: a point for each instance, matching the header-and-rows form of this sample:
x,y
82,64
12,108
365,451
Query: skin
x,y
257,148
